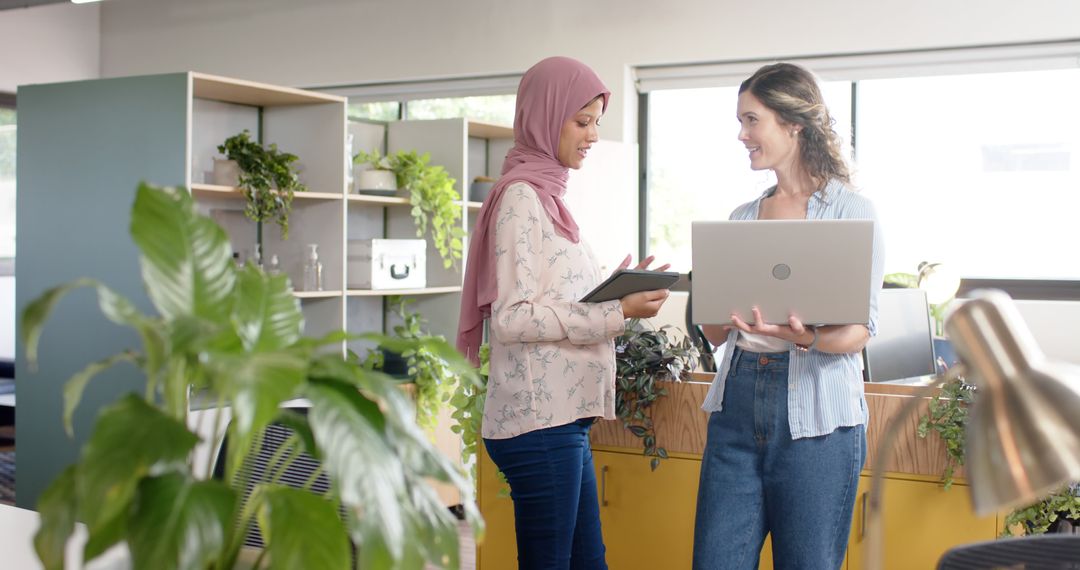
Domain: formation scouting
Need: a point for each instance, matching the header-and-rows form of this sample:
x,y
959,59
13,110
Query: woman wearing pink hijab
x,y
552,367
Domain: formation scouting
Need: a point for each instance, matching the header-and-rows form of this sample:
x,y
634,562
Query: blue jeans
x,y
757,480
553,486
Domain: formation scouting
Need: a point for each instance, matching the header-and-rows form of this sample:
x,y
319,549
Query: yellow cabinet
x,y
498,551
921,520
647,516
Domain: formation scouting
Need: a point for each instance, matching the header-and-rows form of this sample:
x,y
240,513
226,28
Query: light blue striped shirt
x,y
825,391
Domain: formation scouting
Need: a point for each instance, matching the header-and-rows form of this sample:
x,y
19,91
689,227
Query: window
x,y
698,169
972,157
375,111
7,183
495,109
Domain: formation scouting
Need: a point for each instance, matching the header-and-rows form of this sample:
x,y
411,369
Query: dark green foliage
x,y
644,358
266,177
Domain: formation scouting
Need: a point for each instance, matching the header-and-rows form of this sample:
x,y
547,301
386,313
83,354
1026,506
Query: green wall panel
x,y
83,148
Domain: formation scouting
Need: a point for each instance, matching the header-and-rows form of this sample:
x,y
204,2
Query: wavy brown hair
x,y
793,94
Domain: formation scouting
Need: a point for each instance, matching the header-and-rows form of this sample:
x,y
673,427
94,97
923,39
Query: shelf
x,y
380,200
489,131
215,192
218,88
474,205
388,292
316,294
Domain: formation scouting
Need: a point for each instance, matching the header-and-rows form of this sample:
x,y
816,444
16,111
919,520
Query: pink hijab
x,y
550,93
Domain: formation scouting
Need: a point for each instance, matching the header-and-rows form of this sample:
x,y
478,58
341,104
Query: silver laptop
x,y
817,269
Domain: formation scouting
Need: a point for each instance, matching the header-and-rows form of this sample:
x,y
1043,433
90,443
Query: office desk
x,y
17,528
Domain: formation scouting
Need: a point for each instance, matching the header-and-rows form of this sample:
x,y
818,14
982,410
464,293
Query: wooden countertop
x,y
681,427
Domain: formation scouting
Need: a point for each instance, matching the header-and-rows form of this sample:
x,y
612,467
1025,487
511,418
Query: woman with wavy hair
x,y
787,426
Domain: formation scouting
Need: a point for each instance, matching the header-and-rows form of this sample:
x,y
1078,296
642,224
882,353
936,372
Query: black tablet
x,y
626,281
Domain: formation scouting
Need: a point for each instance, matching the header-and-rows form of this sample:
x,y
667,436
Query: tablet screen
x,y
627,281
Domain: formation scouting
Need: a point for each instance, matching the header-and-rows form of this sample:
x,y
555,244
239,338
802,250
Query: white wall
x,y
45,44
326,42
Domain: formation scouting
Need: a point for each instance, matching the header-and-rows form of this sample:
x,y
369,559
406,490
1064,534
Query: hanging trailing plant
x,y
644,358
468,411
267,179
948,413
429,371
435,203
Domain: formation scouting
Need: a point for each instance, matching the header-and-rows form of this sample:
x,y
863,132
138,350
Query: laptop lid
x,y
817,269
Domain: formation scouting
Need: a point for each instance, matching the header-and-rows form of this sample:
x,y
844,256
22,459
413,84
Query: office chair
x,y
1038,552
697,336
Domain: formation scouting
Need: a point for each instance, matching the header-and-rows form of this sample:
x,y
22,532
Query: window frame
x,y
853,68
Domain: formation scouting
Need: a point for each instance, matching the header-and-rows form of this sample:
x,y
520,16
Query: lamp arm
x,y
874,541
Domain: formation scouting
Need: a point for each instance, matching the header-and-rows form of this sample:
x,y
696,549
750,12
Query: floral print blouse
x,y
552,357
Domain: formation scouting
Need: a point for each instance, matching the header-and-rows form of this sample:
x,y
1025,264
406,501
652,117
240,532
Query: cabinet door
x,y
922,521
498,550
647,516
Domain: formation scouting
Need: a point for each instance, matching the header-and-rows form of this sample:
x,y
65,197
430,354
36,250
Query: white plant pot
x,y
376,180
226,172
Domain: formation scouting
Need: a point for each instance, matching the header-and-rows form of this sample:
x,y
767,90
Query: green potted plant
x,y
1058,512
948,414
644,359
433,377
434,201
267,178
234,334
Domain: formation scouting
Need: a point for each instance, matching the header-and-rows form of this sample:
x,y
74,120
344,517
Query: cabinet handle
x,y
603,485
862,517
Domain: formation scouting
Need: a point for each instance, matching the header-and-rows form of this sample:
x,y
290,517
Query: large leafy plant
x,y
644,359
267,178
235,335
434,201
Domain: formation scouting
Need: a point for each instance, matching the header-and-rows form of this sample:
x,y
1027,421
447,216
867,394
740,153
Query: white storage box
x,y
387,264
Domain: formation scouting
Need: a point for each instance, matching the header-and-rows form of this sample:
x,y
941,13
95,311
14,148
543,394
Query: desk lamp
x,y
1023,432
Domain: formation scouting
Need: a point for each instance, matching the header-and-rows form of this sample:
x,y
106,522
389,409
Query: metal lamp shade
x,y
1023,434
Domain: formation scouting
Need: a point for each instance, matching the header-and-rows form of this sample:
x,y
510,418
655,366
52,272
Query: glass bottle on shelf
x,y
312,269
275,265
256,256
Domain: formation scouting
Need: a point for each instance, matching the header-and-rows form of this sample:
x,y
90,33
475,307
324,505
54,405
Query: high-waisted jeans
x,y
553,486
756,479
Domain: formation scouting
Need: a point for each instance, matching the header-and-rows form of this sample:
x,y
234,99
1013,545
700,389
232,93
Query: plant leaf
x,y
180,523
266,315
303,530
362,465
74,387
186,258
38,311
256,384
57,506
130,438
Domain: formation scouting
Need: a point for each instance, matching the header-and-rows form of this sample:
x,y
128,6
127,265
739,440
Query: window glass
x,y
378,111
980,172
697,168
495,109
7,182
